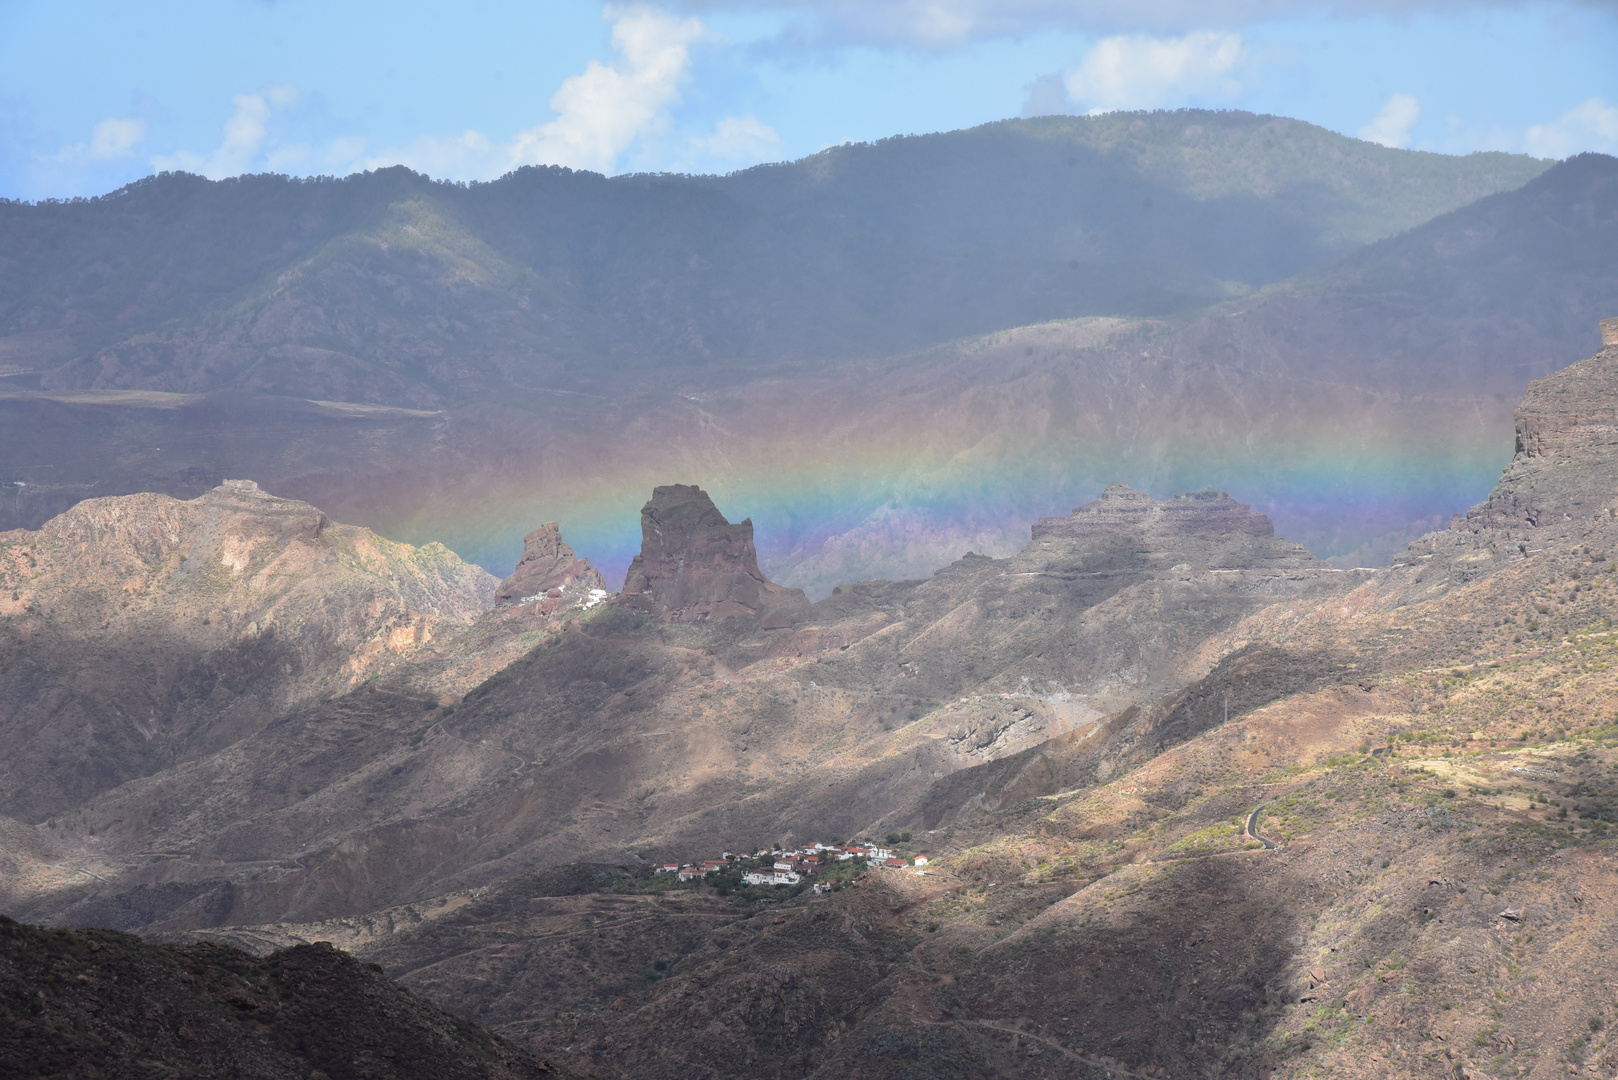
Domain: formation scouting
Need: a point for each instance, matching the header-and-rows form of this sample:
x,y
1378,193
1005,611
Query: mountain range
x,y
1052,518
840,345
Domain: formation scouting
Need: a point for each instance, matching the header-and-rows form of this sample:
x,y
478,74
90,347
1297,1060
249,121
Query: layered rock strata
x,y
1204,529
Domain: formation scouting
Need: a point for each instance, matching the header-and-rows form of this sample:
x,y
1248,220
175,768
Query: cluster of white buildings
x,y
767,866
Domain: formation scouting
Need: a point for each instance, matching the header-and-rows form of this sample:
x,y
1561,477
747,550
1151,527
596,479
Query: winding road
x,y
1252,828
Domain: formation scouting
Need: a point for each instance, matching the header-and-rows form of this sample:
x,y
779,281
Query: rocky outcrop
x,y
1122,529
1567,448
694,566
546,564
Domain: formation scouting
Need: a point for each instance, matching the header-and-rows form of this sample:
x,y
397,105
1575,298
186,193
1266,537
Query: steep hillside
x,y
1498,292
103,1004
141,631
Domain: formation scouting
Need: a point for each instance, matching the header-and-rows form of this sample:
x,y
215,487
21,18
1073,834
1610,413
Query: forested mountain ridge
x,y
388,287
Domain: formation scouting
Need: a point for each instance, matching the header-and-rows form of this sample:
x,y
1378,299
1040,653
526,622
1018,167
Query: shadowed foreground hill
x,y
82,1004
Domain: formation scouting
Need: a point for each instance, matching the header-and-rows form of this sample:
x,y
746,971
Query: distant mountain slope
x,y
1487,297
387,287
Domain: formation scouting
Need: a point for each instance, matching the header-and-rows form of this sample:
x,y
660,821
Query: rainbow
x,y
901,499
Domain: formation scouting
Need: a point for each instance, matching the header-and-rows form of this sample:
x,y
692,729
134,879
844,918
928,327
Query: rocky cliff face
x,y
694,566
597,736
1567,447
1121,695
547,564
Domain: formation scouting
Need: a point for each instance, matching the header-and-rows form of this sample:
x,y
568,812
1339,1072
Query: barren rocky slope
x,y
616,732
1080,736
141,631
1440,900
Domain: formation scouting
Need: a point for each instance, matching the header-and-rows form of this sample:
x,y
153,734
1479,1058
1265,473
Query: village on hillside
x,y
830,865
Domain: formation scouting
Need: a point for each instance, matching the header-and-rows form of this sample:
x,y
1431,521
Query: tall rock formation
x,y
547,563
695,566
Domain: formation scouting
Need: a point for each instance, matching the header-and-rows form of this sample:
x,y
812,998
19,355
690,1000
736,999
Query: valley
x,y
1080,737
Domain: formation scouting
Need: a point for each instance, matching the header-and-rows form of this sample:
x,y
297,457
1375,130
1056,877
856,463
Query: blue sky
x,y
94,93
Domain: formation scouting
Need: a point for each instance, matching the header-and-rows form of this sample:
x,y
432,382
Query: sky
x,y
94,94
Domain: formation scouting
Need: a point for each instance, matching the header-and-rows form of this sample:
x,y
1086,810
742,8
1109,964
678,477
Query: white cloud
x,y
737,138
114,138
1139,72
1590,126
246,133
1393,124
600,112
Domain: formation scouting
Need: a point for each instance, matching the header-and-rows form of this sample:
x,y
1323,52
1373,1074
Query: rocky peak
x,y
1567,447
546,564
695,566
1205,529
